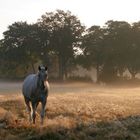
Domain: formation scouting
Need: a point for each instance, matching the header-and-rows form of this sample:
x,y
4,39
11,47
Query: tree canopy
x,y
65,33
111,49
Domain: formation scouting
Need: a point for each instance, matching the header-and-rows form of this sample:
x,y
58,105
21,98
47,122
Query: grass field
x,y
75,111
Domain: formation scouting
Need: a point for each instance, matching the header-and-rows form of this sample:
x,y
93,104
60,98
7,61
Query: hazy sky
x,y
90,12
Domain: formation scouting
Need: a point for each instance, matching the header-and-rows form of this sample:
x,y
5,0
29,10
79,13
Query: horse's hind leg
x,y
28,108
34,106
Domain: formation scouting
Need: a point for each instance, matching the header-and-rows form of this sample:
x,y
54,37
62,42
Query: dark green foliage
x,y
92,46
65,33
21,47
55,34
111,49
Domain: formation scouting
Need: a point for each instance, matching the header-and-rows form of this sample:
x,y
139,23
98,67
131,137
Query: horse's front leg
x,y
43,103
34,106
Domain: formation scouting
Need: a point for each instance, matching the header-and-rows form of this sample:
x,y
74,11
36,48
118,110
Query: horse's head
x,y
43,73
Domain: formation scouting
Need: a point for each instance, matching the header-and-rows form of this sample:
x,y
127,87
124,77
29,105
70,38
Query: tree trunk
x,y
33,68
61,71
65,72
133,73
97,73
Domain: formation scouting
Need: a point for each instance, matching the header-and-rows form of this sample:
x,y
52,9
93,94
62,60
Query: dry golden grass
x,y
75,111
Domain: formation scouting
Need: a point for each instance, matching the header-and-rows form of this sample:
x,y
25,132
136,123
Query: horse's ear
x,y
39,68
46,68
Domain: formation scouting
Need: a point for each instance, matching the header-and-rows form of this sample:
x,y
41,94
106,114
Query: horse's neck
x,y
40,84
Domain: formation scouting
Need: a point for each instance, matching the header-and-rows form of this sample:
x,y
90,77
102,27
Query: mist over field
x,y
75,110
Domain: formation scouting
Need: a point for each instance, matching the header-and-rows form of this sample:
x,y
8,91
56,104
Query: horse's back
x,y
29,85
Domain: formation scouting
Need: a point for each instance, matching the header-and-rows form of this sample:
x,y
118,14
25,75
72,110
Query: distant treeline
x,y
111,49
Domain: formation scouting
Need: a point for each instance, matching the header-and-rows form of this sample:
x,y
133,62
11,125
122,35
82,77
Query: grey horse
x,y
35,89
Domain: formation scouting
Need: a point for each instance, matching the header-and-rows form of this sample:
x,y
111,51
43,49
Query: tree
x,y
133,57
106,49
116,44
22,44
92,46
65,32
